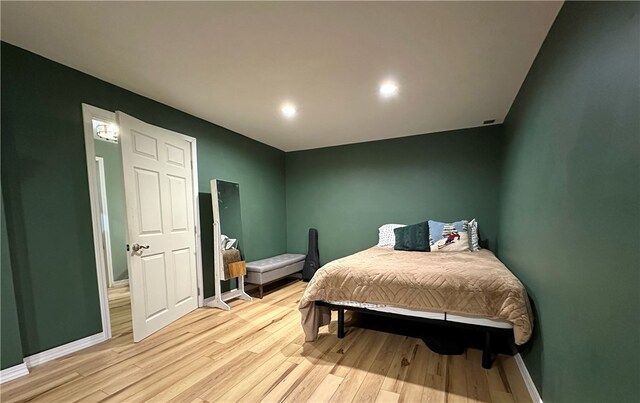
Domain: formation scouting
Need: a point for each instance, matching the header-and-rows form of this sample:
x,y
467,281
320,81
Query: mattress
x,y
468,287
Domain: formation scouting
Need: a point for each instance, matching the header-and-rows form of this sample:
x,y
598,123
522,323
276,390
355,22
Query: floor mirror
x,y
228,256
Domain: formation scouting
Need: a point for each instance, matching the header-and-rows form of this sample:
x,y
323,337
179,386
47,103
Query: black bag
x,y
312,261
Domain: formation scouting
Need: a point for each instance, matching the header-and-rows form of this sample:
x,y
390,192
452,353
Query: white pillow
x,y
386,236
474,242
455,242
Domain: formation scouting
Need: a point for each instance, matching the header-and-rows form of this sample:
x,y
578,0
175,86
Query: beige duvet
x,y
462,283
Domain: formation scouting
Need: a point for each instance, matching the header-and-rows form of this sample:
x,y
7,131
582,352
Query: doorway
x,y
112,211
112,214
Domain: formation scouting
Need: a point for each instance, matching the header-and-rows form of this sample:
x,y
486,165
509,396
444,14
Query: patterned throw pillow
x,y
474,241
452,242
438,230
412,237
386,237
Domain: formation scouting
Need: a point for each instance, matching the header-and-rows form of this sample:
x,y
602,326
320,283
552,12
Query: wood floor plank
x,y
434,389
314,377
413,387
435,381
511,378
149,368
128,358
84,386
231,376
325,389
250,379
496,382
229,364
394,380
356,375
96,396
38,389
269,321
436,363
372,382
312,353
39,375
282,330
256,352
215,377
121,380
261,389
477,383
120,310
149,387
170,392
456,379
352,351
384,396
191,348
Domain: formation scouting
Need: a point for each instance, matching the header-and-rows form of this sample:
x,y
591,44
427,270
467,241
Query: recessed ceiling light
x,y
388,89
289,110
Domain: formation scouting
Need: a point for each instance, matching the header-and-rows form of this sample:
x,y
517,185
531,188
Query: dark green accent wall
x,y
116,207
10,343
570,211
44,181
347,192
556,191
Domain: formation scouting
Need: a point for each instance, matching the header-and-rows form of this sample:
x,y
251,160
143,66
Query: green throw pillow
x,y
413,237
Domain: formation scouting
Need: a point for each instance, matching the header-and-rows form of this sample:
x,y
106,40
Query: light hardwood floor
x,y
255,352
120,310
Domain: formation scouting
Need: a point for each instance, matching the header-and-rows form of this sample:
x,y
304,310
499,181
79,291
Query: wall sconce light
x,y
106,131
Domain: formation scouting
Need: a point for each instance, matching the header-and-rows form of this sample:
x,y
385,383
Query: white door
x,y
160,219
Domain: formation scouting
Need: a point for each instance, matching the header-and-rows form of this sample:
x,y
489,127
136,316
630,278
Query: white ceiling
x,y
234,64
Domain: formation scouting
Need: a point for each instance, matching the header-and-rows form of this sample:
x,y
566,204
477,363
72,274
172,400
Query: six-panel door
x,y
159,199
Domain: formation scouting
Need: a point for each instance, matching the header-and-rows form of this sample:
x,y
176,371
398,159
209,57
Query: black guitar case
x,y
312,261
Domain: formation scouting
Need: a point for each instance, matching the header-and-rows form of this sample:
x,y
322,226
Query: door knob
x,y
136,247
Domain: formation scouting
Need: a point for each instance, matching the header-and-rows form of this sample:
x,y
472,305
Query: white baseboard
x,y
120,283
11,373
531,387
207,300
63,350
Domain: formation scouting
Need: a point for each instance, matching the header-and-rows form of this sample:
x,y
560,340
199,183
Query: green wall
x,y
44,181
347,192
10,343
114,184
557,196
570,211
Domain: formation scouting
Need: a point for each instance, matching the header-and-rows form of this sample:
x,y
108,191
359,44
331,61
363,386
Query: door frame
x,y
88,114
104,222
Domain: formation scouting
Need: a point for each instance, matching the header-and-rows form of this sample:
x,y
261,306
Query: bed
x,y
464,289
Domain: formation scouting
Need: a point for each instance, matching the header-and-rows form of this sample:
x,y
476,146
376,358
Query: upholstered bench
x,y
265,271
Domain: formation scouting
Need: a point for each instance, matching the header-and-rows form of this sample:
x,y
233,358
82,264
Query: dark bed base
x,y
487,352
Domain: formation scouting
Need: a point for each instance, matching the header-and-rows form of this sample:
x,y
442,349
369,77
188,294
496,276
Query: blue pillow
x,y
436,228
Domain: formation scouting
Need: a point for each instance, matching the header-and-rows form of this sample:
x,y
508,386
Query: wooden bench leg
x,y
261,290
340,323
